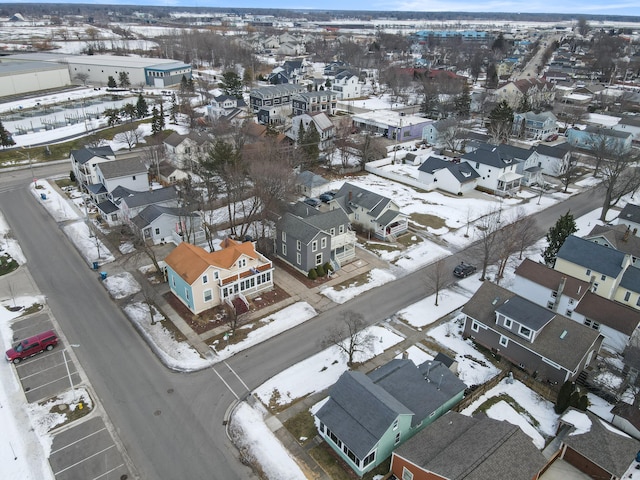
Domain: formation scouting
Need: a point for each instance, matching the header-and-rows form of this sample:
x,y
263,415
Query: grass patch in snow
x,y
427,220
357,281
302,427
409,239
337,469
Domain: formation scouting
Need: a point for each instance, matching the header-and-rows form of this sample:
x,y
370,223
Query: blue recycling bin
x,y
103,275
95,265
43,196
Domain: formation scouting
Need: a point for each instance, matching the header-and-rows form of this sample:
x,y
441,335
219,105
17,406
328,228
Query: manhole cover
x,y
157,413
170,390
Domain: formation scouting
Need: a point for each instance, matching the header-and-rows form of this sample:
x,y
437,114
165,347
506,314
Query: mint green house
x,y
367,416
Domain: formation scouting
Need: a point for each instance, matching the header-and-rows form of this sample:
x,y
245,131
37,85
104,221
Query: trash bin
x,y
103,275
95,265
43,196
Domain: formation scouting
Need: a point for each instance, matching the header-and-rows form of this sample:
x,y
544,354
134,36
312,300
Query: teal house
x,y
367,416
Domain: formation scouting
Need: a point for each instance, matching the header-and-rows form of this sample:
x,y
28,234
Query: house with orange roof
x,y
203,280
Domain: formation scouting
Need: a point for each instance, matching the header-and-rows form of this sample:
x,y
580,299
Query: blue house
x,y
597,138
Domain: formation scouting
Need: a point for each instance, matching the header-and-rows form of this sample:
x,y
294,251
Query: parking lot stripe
x,y
84,460
78,440
33,389
107,473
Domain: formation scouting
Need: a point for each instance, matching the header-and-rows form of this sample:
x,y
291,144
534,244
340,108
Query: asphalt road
x,y
170,424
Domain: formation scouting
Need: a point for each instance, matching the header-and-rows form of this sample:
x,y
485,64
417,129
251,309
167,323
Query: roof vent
x,y
563,334
495,300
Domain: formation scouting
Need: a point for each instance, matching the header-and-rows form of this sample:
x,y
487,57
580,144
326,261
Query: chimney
x,y
563,283
350,195
405,355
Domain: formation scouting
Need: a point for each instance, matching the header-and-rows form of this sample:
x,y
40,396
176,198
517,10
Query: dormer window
x,y
524,331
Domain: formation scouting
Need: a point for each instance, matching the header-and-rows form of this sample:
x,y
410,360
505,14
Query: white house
x,y
185,150
532,125
84,162
497,170
455,178
320,121
130,173
346,85
552,160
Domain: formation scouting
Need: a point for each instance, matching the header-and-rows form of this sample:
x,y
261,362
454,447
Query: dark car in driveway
x,y
312,202
326,197
464,270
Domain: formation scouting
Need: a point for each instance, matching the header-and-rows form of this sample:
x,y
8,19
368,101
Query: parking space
x,y
84,448
87,450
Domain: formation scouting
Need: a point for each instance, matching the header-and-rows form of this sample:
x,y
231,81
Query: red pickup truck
x,y
32,345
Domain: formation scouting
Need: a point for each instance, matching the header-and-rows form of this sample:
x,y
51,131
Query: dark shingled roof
x,y
630,213
361,408
631,279
372,202
553,151
492,157
615,452
590,255
474,448
526,313
107,207
298,227
607,312
463,172
619,237
152,212
139,199
122,168
83,155
540,274
567,351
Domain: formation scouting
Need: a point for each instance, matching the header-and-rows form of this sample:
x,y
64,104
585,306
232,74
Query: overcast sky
x,y
574,7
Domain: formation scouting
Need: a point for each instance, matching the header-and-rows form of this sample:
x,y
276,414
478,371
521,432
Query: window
x,y
368,459
298,245
524,331
157,231
588,271
397,440
323,242
395,424
319,259
592,324
205,279
208,295
298,258
284,249
284,236
627,296
406,474
550,305
474,326
554,294
603,278
216,275
134,177
341,229
332,232
504,341
314,246
242,263
569,312
595,287
186,293
571,301
508,322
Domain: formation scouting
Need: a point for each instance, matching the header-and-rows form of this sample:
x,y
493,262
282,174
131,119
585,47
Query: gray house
x,y
548,346
371,211
306,238
630,216
169,224
131,202
130,173
310,184
367,416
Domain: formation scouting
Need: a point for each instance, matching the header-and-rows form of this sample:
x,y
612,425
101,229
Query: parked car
x,y
32,346
326,197
552,137
312,202
464,270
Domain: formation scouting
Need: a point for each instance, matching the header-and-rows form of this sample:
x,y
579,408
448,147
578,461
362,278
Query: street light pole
x,y
66,364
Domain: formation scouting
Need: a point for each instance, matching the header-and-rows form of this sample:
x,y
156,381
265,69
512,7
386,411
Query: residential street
x,y
170,424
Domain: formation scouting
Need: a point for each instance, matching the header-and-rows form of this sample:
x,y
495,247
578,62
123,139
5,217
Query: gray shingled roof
x,y
631,279
310,179
463,172
590,255
328,220
492,157
361,408
562,340
152,212
364,198
122,168
553,151
138,199
615,452
526,313
359,412
298,227
107,207
96,188
618,236
474,448
83,155
630,213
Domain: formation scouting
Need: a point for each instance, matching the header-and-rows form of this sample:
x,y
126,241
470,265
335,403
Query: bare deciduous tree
x,y
620,176
488,245
350,337
436,273
131,137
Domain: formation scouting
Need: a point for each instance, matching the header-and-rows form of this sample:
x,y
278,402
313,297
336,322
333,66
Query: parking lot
x,y
83,448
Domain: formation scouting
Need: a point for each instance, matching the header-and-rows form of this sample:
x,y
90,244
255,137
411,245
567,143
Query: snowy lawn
x,y
121,285
376,277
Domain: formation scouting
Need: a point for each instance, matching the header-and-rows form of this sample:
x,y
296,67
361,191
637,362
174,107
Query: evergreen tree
x,y
310,143
123,80
174,109
501,121
142,109
6,140
161,121
231,84
155,120
184,85
565,226
492,76
111,82
564,397
301,134
463,102
191,88
129,110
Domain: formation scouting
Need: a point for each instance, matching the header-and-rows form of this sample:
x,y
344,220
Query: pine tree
x,y
463,102
142,109
6,140
123,80
565,226
111,82
231,84
174,109
501,121
310,143
564,397
155,120
161,123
